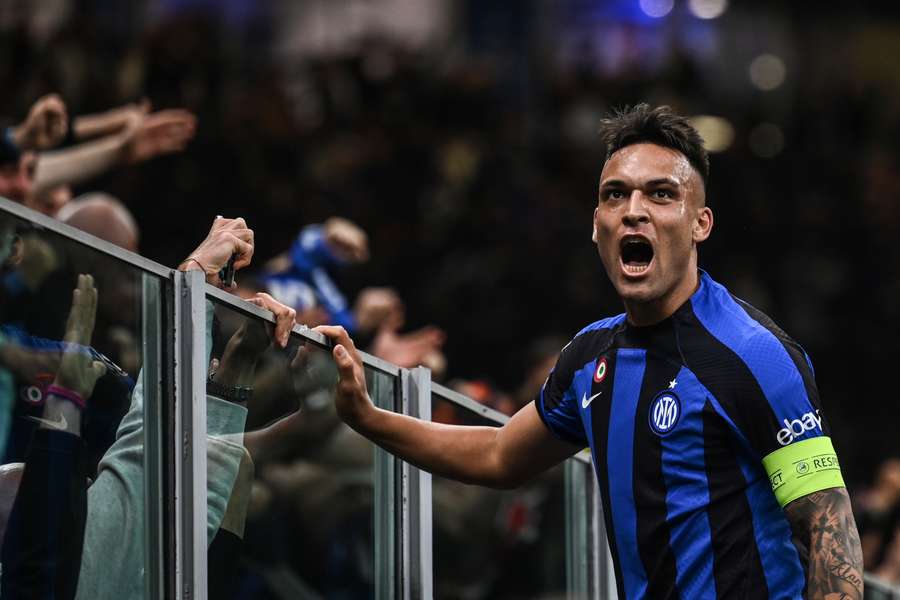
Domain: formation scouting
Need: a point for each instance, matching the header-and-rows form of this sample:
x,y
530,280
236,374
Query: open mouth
x,y
636,253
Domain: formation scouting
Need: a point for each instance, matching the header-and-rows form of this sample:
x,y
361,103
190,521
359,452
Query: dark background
x,y
461,137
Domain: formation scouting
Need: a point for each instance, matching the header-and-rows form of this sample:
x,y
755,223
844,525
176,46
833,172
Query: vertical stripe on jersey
x,y
737,565
649,487
619,462
737,394
798,356
684,472
597,419
730,324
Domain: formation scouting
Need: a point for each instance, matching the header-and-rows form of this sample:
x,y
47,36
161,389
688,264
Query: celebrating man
x,y
715,463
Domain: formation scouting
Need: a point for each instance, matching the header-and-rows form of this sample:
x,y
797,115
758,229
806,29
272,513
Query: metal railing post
x,y
415,492
190,426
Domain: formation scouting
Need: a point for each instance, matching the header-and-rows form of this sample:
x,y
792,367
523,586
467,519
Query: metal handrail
x,y
85,239
145,264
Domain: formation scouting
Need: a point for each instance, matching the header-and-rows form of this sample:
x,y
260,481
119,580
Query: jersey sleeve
x,y
787,430
557,404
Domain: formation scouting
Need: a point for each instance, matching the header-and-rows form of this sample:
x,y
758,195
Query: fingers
x,y
301,357
244,251
227,238
338,335
284,316
82,315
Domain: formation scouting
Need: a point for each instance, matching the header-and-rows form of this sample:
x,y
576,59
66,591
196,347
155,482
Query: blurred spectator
x,y
877,511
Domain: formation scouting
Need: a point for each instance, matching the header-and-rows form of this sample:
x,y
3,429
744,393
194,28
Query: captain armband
x,y
802,468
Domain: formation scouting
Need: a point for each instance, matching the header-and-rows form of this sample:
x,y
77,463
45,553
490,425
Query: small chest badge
x,y
600,373
665,410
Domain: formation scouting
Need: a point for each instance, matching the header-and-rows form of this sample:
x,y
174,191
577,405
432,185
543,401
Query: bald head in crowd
x,y
102,216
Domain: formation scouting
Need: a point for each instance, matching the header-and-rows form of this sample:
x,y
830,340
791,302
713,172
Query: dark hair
x,y
641,123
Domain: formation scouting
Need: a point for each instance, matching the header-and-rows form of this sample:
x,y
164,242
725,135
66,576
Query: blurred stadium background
x,y
461,137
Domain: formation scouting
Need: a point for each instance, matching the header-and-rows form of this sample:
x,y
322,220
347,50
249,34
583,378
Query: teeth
x,y
636,268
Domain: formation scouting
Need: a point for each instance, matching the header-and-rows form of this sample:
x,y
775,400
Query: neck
x,y
642,314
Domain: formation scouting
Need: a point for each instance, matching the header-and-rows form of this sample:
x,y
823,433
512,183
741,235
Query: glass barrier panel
x,y
75,328
384,391
290,487
497,544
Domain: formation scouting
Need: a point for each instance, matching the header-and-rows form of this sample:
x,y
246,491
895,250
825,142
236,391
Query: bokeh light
x,y
717,133
767,72
657,8
707,9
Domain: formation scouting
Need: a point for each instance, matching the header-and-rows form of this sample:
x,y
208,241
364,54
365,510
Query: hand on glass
x,y
351,397
78,371
45,126
243,350
226,237
285,317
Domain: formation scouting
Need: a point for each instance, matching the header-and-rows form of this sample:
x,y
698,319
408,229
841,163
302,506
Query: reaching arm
x,y
107,122
79,163
501,457
138,138
823,525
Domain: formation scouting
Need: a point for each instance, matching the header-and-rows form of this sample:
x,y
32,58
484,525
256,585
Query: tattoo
x,y
823,526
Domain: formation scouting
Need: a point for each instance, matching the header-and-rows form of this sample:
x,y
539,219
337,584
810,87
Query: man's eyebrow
x,y
664,181
612,183
652,182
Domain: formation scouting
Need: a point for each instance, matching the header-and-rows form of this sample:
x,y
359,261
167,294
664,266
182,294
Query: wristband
x,y
238,394
67,394
199,264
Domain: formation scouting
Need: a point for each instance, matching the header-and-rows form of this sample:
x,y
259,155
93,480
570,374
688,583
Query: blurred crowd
x,y
436,202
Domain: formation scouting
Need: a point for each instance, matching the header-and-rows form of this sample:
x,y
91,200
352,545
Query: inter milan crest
x,y
665,410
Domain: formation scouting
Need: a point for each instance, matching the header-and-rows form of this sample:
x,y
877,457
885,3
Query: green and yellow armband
x,y
802,468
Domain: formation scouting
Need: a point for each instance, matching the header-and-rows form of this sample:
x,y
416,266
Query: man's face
x,y
16,178
650,215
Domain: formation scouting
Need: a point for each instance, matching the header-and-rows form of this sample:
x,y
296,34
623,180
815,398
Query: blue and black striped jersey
x,y
702,428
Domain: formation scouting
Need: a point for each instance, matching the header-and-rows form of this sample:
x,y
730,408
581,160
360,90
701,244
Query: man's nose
x,y
635,210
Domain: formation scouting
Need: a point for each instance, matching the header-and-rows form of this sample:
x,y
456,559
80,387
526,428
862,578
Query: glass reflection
x,y
520,545
71,419
299,520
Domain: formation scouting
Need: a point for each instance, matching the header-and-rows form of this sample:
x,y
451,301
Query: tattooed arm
x,y
824,530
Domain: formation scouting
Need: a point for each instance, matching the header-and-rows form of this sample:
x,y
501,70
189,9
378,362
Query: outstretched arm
x,y
823,525
499,457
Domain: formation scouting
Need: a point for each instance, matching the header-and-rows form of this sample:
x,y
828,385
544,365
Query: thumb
x,y
98,369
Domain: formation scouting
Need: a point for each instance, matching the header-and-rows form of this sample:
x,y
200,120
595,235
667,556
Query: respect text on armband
x,y
804,467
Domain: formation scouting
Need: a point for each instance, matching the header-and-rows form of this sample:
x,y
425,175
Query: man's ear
x,y
594,224
703,224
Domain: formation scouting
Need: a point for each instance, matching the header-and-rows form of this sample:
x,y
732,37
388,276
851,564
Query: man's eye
x,y
615,194
662,194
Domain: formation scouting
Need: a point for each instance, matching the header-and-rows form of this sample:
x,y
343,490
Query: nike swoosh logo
x,y
61,425
585,401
